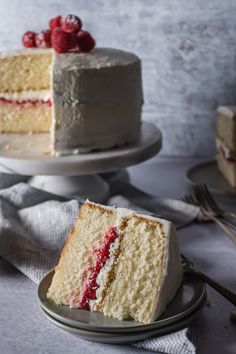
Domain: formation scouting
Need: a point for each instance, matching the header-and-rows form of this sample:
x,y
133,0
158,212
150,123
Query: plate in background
x,y
190,296
208,173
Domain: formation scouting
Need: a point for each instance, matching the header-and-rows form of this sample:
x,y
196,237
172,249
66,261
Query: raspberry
x,y
71,24
61,41
55,22
43,39
73,41
28,39
85,41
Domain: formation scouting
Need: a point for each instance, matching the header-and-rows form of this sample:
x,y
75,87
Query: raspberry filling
x,y
102,255
227,158
25,103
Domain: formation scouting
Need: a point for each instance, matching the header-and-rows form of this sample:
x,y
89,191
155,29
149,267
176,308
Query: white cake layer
x,y
172,273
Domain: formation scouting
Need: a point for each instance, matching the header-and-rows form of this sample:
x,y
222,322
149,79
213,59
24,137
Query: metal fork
x,y
189,269
211,203
204,198
208,214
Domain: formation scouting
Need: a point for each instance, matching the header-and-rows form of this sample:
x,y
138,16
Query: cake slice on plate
x,y
117,262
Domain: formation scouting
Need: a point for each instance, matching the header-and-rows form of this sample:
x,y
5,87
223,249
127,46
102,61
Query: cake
x,y
119,263
226,143
86,100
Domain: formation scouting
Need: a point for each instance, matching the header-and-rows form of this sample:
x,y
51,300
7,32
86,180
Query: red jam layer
x,y
102,255
229,159
24,103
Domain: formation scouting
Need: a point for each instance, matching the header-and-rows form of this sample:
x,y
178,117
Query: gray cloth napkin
x,y
176,211
33,228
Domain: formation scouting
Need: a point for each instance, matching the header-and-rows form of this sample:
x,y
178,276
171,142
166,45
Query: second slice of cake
x,y
119,263
226,142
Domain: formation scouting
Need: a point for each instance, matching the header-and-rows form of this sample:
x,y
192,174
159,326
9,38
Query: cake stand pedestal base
x,y
92,187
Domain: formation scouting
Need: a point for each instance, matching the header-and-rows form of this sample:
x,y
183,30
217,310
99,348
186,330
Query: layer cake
x,y
87,101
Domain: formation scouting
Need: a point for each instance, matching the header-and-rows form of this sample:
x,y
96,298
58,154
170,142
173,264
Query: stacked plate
x,y
96,327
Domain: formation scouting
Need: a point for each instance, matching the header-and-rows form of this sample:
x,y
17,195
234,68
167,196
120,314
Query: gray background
x,y
187,49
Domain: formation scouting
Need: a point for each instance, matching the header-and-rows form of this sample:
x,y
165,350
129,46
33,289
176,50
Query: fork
x,y
211,203
206,212
204,197
189,269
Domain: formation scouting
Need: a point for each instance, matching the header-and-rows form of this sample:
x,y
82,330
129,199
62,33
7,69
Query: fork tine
x,y
186,199
199,197
212,206
204,199
216,207
192,200
207,199
189,200
212,202
206,196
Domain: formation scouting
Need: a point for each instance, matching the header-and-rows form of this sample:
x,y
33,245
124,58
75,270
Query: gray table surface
x,y
23,328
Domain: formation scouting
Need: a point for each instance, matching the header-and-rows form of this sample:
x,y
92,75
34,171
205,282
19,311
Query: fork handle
x,y
226,229
228,294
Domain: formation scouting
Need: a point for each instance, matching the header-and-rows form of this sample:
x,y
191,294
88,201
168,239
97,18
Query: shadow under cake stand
x,y
28,155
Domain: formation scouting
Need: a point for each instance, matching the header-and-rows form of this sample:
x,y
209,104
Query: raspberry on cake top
x,y
87,98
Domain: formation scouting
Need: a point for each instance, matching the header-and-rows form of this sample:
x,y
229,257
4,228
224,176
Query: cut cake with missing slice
x,y
119,263
86,101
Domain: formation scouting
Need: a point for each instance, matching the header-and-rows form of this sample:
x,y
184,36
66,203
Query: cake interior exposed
x,y
87,101
25,92
117,262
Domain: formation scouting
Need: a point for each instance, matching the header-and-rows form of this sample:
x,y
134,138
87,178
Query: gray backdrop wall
x,y
187,49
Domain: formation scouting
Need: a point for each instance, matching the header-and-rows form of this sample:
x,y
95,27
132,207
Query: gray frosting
x,y
97,99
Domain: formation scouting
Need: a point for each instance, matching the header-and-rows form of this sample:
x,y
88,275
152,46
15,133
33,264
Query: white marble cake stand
x,y
73,174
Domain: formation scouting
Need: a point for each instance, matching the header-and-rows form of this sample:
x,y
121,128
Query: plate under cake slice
x,y
117,262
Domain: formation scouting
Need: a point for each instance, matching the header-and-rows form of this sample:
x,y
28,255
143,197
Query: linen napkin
x,y
34,225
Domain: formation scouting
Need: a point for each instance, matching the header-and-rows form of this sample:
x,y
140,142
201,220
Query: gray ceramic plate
x,y
189,296
208,173
122,338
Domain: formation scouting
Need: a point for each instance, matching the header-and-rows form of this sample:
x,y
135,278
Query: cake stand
x,y
28,154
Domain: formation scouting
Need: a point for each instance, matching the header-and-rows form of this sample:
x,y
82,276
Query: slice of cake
x,y
119,263
226,142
